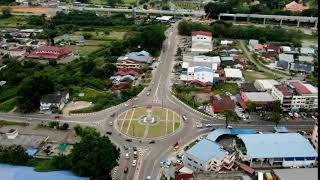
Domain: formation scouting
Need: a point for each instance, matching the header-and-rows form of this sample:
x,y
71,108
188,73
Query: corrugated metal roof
x,y
206,150
280,145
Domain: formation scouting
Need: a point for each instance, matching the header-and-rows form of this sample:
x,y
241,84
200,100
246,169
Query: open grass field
x,y
83,50
226,87
14,21
130,123
253,75
102,36
188,5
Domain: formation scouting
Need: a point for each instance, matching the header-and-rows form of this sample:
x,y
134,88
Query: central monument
x,y
149,118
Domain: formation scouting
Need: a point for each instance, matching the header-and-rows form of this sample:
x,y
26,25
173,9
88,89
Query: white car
x,y
127,156
134,163
199,125
126,105
290,114
209,125
149,178
111,123
229,127
148,93
296,115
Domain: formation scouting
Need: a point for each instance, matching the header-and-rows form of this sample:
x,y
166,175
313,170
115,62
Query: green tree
x,y
276,118
251,106
64,126
230,115
6,13
95,156
276,106
14,154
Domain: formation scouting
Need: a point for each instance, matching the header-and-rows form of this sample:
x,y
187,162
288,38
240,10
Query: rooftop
x,y
284,90
202,33
301,89
247,87
219,105
278,145
267,83
233,73
286,57
297,174
206,150
53,98
26,141
308,68
258,96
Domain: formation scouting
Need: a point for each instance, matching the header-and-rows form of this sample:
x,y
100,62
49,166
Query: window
x,y
195,162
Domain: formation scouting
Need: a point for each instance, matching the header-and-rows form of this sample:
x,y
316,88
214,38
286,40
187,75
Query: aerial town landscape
x,y
158,89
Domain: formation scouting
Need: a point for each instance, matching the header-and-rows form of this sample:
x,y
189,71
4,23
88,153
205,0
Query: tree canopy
x,y
14,154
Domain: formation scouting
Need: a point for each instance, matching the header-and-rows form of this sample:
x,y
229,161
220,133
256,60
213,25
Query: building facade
x,y
201,42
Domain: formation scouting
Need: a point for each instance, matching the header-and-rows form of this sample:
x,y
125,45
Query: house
x,y
200,60
202,74
119,87
124,72
54,101
2,83
301,68
306,59
307,51
219,105
142,57
273,48
128,64
206,156
37,43
49,52
233,74
281,149
226,42
247,87
201,42
294,6
261,99
282,65
70,39
265,84
295,95
226,58
17,52
286,57
122,79
258,47
164,19
286,49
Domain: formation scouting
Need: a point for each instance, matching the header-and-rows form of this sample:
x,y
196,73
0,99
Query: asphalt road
x,y
160,95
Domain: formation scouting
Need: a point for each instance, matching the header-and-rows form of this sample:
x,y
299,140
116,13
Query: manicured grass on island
x,y
11,123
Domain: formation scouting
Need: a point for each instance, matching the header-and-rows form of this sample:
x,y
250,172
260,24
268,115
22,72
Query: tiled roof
x,y
202,33
301,89
284,90
219,105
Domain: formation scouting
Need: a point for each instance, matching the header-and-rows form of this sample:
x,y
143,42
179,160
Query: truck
x,y
260,175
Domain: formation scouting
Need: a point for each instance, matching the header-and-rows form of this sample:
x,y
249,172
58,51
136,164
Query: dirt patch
x,y
75,106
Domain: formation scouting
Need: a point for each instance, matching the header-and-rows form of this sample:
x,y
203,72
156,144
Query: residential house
x,y
128,64
54,101
49,52
261,99
17,52
309,51
258,47
117,79
142,57
288,50
247,87
282,65
226,42
286,57
36,43
201,42
202,74
306,59
253,42
273,48
265,84
301,68
294,6
295,95
233,74
220,104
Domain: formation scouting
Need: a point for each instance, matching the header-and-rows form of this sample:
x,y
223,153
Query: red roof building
x,y
119,87
124,72
284,90
49,52
199,83
301,89
201,33
247,169
220,105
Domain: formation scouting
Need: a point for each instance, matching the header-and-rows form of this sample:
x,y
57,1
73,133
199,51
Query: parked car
x,y
111,123
125,146
290,114
148,93
152,142
112,115
199,125
209,125
129,140
109,132
175,144
149,178
134,148
126,105
184,117
296,115
313,117
134,163
135,154
229,127
134,106
125,170
127,156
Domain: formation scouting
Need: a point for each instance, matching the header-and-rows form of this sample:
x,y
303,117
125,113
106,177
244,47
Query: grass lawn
x,y
83,50
253,75
99,35
125,126
226,87
157,130
139,112
136,129
14,21
7,93
89,94
161,113
8,105
11,123
176,125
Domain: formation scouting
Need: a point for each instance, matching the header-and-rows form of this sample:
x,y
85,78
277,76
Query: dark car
x,y
175,144
152,142
129,140
134,148
125,170
108,132
56,117
112,115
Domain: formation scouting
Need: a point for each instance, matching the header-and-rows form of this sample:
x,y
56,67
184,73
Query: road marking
x,y
124,119
156,93
130,120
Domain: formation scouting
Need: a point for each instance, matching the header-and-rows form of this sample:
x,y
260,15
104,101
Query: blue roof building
x,y
142,56
206,150
290,149
226,58
214,135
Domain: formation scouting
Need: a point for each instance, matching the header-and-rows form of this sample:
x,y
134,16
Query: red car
x,y
56,117
125,170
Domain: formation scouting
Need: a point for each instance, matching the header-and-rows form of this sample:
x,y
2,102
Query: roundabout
x,y
148,122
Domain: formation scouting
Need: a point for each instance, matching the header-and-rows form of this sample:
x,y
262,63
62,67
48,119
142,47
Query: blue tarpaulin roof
x,y
31,151
279,145
242,131
280,129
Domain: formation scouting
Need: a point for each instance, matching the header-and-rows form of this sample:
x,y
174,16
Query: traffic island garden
x,y
148,122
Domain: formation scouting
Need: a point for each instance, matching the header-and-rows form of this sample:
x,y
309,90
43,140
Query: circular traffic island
x,y
148,122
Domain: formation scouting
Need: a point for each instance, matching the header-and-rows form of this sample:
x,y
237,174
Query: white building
x,y
202,74
57,100
265,84
164,19
207,155
201,42
233,74
296,95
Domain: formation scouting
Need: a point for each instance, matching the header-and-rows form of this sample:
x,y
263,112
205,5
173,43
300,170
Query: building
x,y
295,95
219,105
265,84
306,59
54,101
17,52
276,149
202,74
294,6
226,42
142,57
233,74
207,155
286,57
314,136
49,52
301,68
201,42
295,174
128,64
261,99
207,61
164,19
307,51
247,87
253,42
282,65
